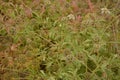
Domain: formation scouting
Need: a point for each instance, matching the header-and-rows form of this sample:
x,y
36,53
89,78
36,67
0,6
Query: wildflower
x,y
71,17
105,11
47,1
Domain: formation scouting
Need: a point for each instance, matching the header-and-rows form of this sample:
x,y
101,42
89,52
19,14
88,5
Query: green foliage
x,y
51,40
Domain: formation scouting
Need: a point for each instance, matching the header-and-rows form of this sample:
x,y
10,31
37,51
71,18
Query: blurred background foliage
x,y
59,39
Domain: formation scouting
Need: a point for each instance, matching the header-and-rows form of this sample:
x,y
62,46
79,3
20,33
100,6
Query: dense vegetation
x,y
59,40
